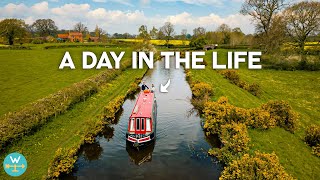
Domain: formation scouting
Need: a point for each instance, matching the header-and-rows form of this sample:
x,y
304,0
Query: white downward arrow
x,y
163,88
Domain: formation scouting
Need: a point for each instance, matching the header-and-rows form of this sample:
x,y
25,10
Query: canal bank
x,y
180,150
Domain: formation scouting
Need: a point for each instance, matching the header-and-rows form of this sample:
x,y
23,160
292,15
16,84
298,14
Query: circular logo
x,y
15,164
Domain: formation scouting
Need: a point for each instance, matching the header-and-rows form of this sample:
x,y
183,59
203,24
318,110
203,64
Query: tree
x,y
168,31
79,27
302,20
184,34
143,32
262,12
226,31
153,33
45,27
236,36
12,28
99,32
200,31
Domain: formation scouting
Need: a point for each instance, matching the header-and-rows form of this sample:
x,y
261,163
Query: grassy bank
x,y
300,88
28,75
67,130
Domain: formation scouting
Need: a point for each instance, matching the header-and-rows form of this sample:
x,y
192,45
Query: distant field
x,y
159,42
28,75
300,88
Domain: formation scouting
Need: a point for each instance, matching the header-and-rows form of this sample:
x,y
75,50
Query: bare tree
x,y
262,12
302,20
100,33
199,31
79,27
168,31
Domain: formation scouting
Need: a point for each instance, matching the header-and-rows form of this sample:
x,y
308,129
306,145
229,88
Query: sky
x,y
120,16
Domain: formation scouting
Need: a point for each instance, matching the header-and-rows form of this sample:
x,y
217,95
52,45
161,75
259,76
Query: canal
x,y
179,152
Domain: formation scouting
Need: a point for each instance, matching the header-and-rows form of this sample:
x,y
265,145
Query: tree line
x,y
275,22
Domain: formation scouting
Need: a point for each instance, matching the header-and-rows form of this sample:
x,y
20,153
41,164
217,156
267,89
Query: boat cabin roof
x,y
143,106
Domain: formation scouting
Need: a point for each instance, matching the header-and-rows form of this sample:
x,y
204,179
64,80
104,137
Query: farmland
x,y
299,88
29,75
159,42
42,78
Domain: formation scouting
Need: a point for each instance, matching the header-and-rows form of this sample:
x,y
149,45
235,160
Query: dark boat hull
x,y
141,144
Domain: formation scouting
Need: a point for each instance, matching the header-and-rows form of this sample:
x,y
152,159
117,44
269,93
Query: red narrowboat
x,y
143,120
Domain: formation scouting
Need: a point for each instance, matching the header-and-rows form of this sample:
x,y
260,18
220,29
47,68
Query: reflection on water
x,y
180,151
142,155
92,151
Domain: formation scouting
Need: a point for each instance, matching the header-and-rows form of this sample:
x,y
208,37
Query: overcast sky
x,y
127,15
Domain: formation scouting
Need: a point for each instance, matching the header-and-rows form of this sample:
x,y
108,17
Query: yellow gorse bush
x,y
235,140
259,166
266,116
112,108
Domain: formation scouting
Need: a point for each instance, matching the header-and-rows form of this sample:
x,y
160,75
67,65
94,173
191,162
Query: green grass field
x,y
300,88
28,75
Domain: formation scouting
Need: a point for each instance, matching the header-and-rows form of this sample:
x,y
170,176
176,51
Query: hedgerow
x,y
32,116
259,166
234,77
271,114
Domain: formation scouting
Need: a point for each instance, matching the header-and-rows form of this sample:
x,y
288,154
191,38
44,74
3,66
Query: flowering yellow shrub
x,y
316,150
283,114
313,135
112,108
260,118
62,163
201,89
259,166
235,140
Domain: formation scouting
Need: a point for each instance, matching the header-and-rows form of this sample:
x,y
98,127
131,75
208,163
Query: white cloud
x,y
197,2
40,8
71,10
119,21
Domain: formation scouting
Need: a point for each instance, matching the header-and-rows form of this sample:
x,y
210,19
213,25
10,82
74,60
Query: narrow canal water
x,y
179,152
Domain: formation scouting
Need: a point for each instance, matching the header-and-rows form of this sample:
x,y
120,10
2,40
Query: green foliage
x,y
198,43
283,114
62,163
259,166
312,136
37,41
11,29
112,108
235,140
